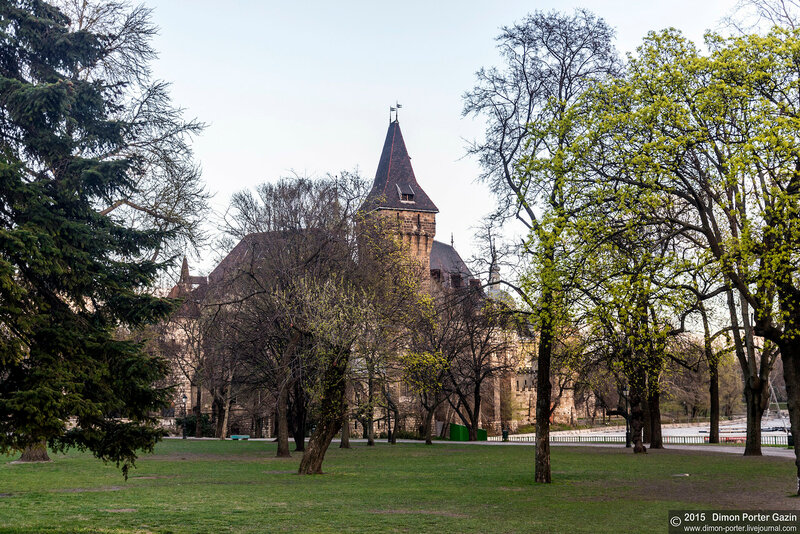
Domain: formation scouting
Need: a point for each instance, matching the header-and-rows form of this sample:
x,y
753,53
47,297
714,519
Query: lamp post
x,y
183,426
627,420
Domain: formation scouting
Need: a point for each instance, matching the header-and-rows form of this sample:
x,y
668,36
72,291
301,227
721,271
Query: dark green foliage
x,y
406,434
190,421
71,285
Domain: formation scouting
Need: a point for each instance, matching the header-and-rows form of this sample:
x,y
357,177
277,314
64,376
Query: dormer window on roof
x,y
405,192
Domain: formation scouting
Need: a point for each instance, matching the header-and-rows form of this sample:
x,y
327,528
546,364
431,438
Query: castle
x,y
509,397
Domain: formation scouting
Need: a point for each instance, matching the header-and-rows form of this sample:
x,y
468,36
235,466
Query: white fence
x,y
668,440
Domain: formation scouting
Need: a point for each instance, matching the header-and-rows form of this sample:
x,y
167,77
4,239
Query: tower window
x,y
405,192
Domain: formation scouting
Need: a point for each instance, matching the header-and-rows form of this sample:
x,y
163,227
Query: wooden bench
x,y
242,437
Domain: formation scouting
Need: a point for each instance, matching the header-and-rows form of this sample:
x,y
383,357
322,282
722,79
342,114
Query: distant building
x,y
509,400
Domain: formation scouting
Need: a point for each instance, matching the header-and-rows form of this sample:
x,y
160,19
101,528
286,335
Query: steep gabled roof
x,y
445,258
395,186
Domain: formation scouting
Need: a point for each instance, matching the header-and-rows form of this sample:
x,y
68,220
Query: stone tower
x,y
396,194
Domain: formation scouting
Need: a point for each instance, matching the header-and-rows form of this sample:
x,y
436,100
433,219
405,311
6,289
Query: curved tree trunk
x,y
331,416
282,423
35,453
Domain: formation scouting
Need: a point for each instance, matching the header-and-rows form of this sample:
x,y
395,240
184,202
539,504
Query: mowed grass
x,y
215,486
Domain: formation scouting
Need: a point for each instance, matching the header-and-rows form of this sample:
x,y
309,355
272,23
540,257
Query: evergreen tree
x,y
71,279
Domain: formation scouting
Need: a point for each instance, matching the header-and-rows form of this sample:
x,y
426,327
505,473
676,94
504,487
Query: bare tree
x,y
752,15
484,352
549,61
309,274
437,340
169,193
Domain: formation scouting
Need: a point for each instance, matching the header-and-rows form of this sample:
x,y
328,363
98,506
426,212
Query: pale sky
x,y
306,86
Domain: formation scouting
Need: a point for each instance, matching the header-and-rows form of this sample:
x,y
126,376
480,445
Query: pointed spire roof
x,y
395,186
184,271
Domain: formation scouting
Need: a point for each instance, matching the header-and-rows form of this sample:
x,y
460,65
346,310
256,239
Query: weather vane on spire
x,y
394,108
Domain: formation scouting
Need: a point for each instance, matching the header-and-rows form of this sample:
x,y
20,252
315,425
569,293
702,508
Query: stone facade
x,y
509,398
416,230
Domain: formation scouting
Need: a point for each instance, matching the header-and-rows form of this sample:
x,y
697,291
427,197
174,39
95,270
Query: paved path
x,y
780,452
727,449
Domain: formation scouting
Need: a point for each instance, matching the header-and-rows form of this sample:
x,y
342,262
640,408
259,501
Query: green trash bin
x,y
505,434
482,435
458,432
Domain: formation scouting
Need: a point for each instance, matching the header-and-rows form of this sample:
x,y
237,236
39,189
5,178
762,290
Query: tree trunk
x,y
299,416
713,378
637,393
226,414
345,444
331,416
215,419
543,393
654,407
393,435
753,392
370,429
647,424
426,428
370,426
790,354
35,453
472,431
198,414
474,415
713,391
282,423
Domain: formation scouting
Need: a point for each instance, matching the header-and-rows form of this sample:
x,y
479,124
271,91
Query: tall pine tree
x,y
71,279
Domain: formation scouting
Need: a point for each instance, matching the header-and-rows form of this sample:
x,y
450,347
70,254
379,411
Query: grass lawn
x,y
214,486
